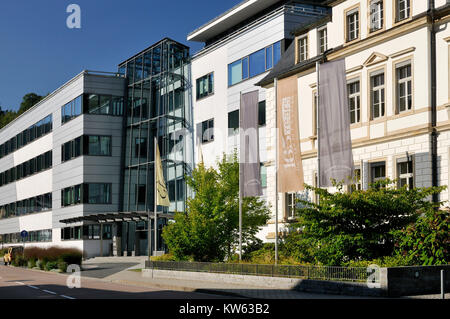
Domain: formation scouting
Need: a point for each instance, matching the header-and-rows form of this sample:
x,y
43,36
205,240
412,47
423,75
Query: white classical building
x,y
400,124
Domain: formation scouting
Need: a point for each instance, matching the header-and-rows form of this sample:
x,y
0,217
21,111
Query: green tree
x,y
28,101
357,225
209,229
427,241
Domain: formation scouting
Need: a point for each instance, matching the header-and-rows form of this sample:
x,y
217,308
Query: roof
x,y
114,217
311,25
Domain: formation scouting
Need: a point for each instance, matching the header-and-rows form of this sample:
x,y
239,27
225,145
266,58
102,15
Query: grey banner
x,y
250,177
336,157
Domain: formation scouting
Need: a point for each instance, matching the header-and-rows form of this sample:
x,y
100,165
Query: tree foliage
x,y
28,101
356,225
209,229
427,241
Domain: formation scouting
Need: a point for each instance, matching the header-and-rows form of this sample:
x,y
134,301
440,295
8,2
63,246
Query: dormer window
x,y
302,49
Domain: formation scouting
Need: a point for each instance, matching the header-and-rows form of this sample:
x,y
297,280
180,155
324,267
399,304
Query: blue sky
x,y
38,53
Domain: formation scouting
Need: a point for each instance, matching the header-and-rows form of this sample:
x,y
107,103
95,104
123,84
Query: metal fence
x,y
354,274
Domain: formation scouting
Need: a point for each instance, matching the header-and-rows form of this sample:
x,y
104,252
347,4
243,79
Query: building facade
x,y
398,104
241,47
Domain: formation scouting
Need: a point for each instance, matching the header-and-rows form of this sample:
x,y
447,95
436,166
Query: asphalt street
x,y
19,283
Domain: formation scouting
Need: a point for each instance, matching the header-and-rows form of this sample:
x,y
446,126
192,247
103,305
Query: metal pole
x,y
149,233
156,194
101,239
318,125
240,180
442,284
276,170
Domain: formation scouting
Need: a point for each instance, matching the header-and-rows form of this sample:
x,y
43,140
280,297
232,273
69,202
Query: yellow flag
x,y
162,196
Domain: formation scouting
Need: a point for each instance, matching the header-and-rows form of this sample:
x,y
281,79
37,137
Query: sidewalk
x,y
135,278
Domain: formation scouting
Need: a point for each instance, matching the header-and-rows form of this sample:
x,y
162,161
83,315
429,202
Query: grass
x,y
135,270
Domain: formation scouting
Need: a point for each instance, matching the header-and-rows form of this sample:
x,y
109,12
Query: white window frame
x,y
356,98
379,91
302,48
376,15
290,205
322,39
352,21
374,165
402,14
409,176
407,98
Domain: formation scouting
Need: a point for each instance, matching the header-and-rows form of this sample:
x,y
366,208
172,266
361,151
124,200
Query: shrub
x,y
62,266
51,265
427,241
19,261
40,264
68,255
3,252
31,263
165,257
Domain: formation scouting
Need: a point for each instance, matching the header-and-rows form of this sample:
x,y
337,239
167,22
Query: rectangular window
x,y
404,88
262,113
354,102
208,131
357,185
233,123
269,57
322,38
141,191
376,15
377,171
140,147
234,73
276,52
405,173
352,25
263,171
257,63
98,145
402,9
290,205
377,96
302,49
205,86
97,193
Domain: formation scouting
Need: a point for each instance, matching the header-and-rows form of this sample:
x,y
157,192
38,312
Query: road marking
x,y
34,287
48,291
20,283
67,297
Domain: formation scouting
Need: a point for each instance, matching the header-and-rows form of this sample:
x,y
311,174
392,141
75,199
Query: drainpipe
x,y
434,133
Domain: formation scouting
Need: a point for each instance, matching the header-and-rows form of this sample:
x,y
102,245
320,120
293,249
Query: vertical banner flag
x,y
250,178
162,196
290,168
336,157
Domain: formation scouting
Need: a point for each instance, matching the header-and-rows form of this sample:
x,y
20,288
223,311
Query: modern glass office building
x,y
158,108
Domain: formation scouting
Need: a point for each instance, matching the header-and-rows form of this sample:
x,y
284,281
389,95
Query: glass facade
x,y
158,106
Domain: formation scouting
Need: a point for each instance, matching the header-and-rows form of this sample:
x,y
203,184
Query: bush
x,y
40,264
31,263
62,266
427,241
51,265
165,257
68,255
3,252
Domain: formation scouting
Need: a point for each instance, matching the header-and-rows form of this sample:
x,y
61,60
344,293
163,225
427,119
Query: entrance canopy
x,y
115,217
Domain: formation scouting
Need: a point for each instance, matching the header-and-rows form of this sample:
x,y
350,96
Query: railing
x,y
354,274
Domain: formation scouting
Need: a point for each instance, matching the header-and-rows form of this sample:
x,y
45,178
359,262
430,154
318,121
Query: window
x,y
404,87
254,64
140,194
357,180
405,173
354,102
377,171
140,147
98,145
257,63
352,25
302,49
208,131
205,86
263,170
290,205
376,15
402,9
72,109
377,96
97,193
322,39
233,123
262,113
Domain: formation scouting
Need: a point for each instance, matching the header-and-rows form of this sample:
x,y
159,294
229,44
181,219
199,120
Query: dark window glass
x,y
98,194
276,52
208,131
140,194
140,147
93,104
257,63
233,122
262,113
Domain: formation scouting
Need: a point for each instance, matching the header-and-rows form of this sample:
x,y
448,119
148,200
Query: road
x,y
19,283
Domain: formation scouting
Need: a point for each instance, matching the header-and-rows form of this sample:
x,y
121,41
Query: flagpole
x,y
276,170
318,125
156,194
240,179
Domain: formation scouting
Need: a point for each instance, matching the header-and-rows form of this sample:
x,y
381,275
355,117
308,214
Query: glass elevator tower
x,y
159,106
